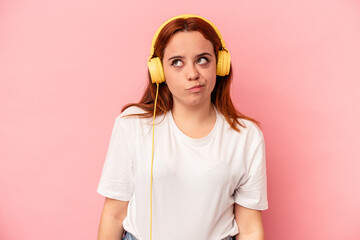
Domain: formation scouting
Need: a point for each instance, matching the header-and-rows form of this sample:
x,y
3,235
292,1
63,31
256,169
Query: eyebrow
x,y
199,55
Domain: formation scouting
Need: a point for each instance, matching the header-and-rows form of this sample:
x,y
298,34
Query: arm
x,y
249,222
113,214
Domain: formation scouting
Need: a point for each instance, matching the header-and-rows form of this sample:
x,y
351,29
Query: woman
x,y
206,178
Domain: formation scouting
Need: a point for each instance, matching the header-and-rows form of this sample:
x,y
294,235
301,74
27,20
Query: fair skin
x,y
189,65
112,216
249,222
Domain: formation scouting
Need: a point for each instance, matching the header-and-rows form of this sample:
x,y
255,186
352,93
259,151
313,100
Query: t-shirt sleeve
x,y
117,175
251,191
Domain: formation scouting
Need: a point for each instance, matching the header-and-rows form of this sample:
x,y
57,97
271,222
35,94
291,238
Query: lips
x,y
196,88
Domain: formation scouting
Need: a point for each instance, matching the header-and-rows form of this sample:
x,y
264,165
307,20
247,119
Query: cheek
x,y
213,83
170,79
174,88
211,78
210,73
169,75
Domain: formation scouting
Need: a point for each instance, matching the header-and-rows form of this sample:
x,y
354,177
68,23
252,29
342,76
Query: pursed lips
x,y
196,86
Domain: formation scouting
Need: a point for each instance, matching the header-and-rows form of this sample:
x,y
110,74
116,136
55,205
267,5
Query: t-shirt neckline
x,y
194,141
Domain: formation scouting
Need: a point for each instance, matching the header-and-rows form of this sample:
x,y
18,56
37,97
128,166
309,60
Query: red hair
x,y
220,96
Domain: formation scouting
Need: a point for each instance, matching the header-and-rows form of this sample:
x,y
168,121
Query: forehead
x,y
192,42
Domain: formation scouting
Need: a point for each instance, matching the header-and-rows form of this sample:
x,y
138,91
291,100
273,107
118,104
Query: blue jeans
x,y
129,236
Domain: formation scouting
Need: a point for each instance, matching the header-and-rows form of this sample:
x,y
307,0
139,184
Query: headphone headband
x,y
184,16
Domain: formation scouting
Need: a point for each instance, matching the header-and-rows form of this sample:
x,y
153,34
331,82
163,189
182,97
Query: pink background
x,y
67,67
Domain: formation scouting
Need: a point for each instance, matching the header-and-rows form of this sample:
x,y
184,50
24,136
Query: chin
x,y
197,102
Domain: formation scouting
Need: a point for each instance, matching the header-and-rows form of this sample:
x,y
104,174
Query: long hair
x,y
220,96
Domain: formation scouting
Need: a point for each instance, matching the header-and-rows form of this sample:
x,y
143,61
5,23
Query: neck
x,y
193,113
194,121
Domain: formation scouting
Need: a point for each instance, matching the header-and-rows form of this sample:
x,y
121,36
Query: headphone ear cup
x,y
223,63
156,70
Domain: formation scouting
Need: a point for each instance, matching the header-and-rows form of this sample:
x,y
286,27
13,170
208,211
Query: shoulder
x,y
251,129
131,120
131,111
249,132
128,118
253,134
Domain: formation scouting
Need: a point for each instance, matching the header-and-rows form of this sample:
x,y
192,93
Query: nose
x,y
192,73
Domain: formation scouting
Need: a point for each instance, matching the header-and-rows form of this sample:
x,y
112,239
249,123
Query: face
x,y
189,65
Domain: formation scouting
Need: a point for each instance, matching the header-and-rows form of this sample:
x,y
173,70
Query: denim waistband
x,y
128,236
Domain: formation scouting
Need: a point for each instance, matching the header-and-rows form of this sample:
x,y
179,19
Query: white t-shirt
x,y
195,181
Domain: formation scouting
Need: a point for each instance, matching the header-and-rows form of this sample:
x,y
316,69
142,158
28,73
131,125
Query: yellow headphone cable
x,y
152,158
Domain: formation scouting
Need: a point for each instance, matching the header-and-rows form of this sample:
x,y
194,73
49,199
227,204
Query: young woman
x,y
202,175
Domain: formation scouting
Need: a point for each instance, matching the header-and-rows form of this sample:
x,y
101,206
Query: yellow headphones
x,y
154,63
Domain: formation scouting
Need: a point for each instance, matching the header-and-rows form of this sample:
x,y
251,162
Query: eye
x,y
203,60
177,63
